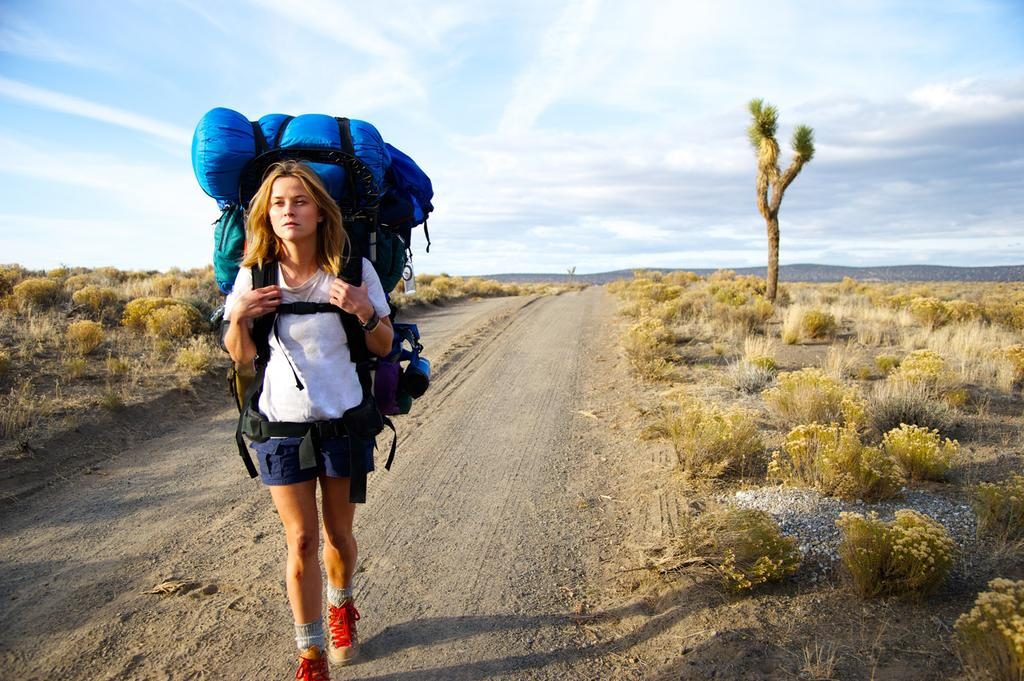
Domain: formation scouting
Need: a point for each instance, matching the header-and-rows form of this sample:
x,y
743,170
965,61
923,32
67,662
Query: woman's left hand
x,y
352,299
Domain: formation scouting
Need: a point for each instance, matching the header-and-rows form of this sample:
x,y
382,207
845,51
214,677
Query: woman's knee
x,y
339,537
304,543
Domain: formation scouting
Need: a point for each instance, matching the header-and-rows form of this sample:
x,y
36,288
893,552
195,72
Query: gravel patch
x,y
811,517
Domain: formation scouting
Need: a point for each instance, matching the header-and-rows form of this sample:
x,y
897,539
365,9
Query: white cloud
x,y
18,37
554,68
75,106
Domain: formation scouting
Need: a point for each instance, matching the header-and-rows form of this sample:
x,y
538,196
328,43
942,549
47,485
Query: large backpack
x,y
382,194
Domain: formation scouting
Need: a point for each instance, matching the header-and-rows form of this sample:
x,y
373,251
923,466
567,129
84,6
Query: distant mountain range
x,y
807,273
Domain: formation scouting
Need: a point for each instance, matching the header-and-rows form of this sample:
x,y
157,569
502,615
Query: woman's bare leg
x,y
296,504
340,550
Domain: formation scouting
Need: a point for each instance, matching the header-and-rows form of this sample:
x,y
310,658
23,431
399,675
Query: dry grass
x,y
55,355
893,403
710,440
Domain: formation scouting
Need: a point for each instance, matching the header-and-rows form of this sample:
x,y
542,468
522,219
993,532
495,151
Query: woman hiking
x,y
295,226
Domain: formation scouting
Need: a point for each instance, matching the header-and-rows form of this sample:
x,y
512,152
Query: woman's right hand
x,y
255,303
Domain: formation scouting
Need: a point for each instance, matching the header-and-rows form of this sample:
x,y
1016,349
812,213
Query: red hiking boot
x,y
341,620
312,666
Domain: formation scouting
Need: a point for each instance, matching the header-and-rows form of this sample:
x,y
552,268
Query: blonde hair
x,y
264,246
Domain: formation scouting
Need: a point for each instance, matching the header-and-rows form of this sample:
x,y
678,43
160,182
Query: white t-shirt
x,y
315,345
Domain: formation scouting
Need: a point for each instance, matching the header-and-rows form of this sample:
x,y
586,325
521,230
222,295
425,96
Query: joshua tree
x,y
762,138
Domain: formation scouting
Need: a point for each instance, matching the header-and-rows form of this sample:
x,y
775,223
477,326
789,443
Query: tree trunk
x,y
773,257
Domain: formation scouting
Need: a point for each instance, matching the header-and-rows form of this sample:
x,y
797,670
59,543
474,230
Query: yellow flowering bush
x,y
990,637
95,298
832,459
810,395
137,314
710,440
649,346
910,555
930,312
1000,508
170,323
36,292
926,368
818,324
920,452
754,550
83,337
1015,353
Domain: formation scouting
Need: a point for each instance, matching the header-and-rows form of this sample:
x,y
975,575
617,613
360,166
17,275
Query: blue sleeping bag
x,y
226,142
383,194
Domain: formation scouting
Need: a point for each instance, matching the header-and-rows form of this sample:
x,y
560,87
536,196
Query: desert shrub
x,y
138,312
920,452
809,395
990,638
77,282
887,363
711,440
1015,355
926,368
82,337
686,306
744,546
198,356
931,312
170,323
909,556
649,345
1005,313
894,403
817,324
9,276
751,376
833,460
1000,508
963,311
99,299
446,286
36,293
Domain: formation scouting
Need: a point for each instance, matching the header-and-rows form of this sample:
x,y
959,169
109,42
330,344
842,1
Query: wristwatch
x,y
371,323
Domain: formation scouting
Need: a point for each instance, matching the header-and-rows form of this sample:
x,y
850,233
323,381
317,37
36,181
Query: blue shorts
x,y
279,459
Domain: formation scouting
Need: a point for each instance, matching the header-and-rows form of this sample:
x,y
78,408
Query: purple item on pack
x,y
385,387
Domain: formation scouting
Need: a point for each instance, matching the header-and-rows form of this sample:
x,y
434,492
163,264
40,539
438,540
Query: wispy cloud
x,y
75,106
19,37
552,70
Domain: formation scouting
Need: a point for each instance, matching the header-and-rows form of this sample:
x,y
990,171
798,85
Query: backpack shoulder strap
x,y
264,275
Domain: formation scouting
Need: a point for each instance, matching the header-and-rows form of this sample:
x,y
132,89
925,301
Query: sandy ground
x,y
479,550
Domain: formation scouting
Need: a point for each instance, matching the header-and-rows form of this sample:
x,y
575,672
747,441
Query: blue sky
x,y
600,135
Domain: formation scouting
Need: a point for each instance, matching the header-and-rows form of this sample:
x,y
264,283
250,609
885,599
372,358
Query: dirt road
x,y
474,548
